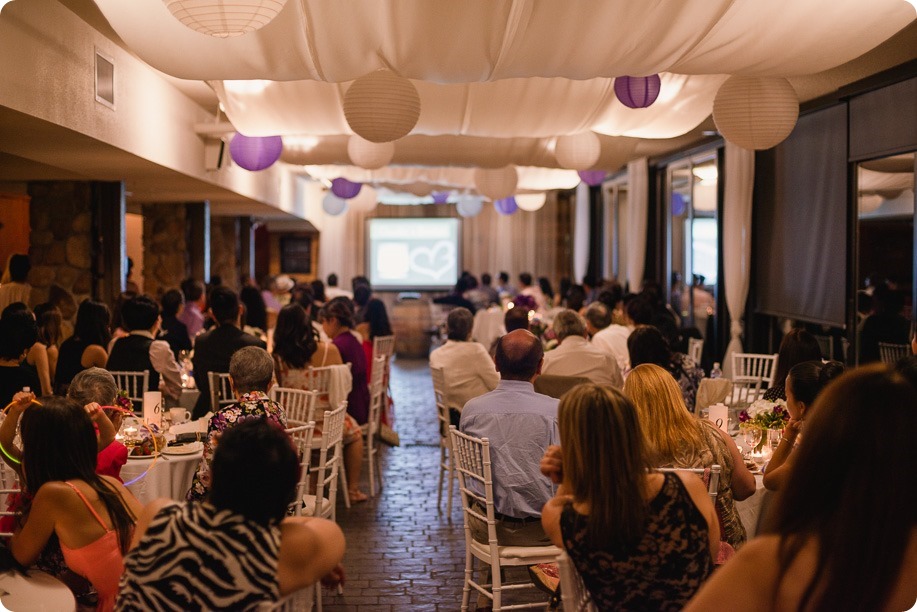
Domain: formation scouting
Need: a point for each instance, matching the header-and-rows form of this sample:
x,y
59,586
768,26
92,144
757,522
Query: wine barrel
x,y
411,325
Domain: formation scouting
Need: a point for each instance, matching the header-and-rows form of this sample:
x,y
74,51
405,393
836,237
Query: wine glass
x,y
752,437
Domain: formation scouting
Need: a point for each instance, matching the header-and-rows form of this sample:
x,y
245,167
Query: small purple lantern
x,y
678,204
592,177
345,189
637,92
255,152
506,206
440,197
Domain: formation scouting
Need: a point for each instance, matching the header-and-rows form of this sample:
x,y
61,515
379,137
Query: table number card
x,y
152,408
719,414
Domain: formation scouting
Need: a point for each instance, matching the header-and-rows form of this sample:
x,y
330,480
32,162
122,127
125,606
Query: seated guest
x,y
86,347
332,290
647,345
37,360
676,438
49,320
374,323
613,339
255,309
15,286
455,298
796,347
842,534
467,368
885,324
640,540
172,330
214,349
520,425
576,357
597,317
192,315
92,516
493,296
139,350
17,335
803,384
251,374
337,321
237,550
97,386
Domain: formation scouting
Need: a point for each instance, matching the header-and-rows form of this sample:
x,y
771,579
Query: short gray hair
x,y
252,369
93,385
568,323
459,324
598,315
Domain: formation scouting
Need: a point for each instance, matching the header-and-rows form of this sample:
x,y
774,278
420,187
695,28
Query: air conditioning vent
x,y
105,79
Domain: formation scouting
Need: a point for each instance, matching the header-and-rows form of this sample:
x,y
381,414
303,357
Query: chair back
x,y
322,382
710,476
472,462
9,485
573,592
330,456
750,373
298,404
555,386
135,383
220,390
383,346
442,410
695,350
891,353
301,433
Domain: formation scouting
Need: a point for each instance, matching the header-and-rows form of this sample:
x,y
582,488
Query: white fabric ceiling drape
x,y
581,227
737,209
637,210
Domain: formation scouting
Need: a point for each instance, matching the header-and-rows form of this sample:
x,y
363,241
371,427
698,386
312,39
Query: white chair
x,y
327,465
384,346
301,433
573,592
9,485
446,460
321,381
135,384
220,390
695,350
298,404
472,460
373,423
750,373
891,353
710,476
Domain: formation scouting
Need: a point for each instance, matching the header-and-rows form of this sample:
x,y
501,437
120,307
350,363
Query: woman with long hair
x,y
843,532
92,516
640,539
676,438
796,347
375,323
49,320
86,347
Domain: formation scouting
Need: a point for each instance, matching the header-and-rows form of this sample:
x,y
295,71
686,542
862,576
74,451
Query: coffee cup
x,y
179,415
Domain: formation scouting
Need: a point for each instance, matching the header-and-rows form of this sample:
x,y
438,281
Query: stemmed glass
x,y
752,437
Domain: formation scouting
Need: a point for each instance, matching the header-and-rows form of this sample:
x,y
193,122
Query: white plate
x,y
139,457
184,449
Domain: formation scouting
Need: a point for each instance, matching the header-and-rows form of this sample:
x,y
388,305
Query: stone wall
x,y
224,246
165,250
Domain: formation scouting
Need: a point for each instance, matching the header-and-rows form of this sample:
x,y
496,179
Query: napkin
x,y
197,426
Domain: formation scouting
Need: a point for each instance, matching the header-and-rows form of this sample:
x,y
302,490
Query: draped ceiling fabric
x,y
637,211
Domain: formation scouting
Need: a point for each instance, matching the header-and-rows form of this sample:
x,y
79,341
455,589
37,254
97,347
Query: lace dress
x,y
661,572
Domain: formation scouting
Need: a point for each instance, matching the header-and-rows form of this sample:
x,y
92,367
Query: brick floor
x,y
402,553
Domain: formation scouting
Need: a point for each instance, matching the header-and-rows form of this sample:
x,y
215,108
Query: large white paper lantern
x,y
755,112
365,201
334,205
382,106
530,201
578,151
225,18
369,155
496,183
469,205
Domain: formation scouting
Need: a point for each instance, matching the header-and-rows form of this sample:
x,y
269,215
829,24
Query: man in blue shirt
x,y
520,425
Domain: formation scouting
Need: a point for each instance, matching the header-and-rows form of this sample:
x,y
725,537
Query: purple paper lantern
x,y
506,206
440,197
255,152
678,204
637,92
592,177
345,189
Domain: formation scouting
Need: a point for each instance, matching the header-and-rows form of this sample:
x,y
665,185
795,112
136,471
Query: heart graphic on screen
x,y
433,261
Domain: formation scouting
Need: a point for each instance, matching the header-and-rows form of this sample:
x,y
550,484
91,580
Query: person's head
x,y
516,318
251,369
589,281
224,306
362,295
646,344
255,310
318,290
18,333
193,290
545,285
612,296
49,320
638,311
667,424
486,279
14,308
140,313
92,319
337,316
93,385
575,297
519,355
360,281
377,317
597,316
504,278
568,323
332,280
887,300
302,295
459,323
605,460
852,490
525,279
255,471
19,268
805,381
797,346
172,302
294,336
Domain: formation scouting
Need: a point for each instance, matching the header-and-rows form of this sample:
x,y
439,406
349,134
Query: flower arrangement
x,y
123,401
765,414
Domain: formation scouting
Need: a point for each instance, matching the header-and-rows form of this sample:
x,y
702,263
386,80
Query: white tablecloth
x,y
37,592
170,476
751,510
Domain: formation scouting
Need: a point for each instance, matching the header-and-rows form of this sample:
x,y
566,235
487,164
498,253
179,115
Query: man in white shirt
x,y
608,338
332,290
576,357
613,338
533,291
467,367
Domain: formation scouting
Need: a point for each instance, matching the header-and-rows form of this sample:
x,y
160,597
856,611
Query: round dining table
x,y
35,591
169,475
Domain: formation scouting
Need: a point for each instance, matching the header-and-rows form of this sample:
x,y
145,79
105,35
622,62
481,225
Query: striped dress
x,y
195,557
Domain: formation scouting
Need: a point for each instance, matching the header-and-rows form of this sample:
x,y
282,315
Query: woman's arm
x,y
53,352
94,356
743,482
28,542
12,454
38,357
778,468
310,549
107,429
550,518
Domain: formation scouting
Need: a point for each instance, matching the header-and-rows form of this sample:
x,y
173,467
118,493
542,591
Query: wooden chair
x,y
298,404
891,353
555,386
135,383
446,460
220,390
301,433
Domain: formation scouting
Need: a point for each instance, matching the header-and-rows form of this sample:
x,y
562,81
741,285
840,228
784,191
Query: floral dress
x,y
252,405
688,375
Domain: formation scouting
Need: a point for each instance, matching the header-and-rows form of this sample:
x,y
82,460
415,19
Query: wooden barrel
x,y
411,324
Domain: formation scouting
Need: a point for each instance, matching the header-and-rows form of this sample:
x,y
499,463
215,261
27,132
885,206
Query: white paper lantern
x,y
369,155
870,203
382,106
469,205
496,183
755,112
365,201
578,151
530,201
225,18
334,205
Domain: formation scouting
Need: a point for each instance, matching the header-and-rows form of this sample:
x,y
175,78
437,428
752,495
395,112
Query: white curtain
x,y
581,232
737,192
341,246
637,208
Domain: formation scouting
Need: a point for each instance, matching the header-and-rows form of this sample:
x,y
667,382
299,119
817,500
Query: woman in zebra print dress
x,y
236,550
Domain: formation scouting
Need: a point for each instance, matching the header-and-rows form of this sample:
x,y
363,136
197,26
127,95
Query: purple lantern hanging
x,y
345,189
506,206
678,204
255,152
637,92
440,197
592,177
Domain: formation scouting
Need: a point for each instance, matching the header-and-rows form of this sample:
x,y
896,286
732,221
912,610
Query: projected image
x,y
413,253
